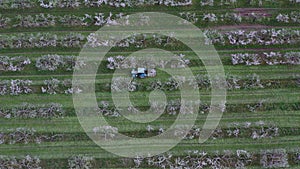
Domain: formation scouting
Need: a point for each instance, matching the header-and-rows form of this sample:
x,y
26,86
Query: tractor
x,y
143,73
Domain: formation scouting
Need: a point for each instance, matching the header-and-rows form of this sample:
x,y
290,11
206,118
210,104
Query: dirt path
x,y
241,26
248,12
258,11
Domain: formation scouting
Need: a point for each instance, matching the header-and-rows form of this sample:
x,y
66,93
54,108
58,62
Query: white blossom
x,y
80,161
16,63
211,17
282,18
107,132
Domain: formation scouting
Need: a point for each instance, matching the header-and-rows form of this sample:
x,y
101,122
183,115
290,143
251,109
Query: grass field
x,y
264,100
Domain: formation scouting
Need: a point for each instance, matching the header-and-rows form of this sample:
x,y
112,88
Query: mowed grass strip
x,y
66,149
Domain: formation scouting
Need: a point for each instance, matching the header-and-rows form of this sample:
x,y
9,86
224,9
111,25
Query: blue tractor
x,y
142,73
